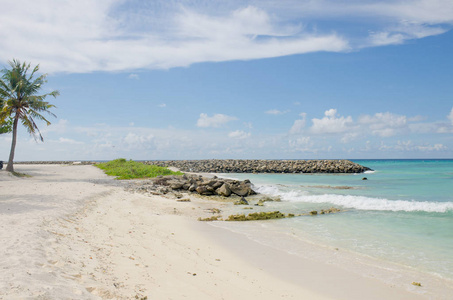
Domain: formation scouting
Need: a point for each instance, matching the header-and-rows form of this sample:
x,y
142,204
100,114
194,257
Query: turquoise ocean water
x,y
402,214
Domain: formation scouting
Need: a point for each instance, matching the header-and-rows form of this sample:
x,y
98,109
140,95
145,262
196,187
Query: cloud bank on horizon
x,y
331,136
118,35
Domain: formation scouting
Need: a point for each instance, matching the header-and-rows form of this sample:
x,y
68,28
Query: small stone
x,y
242,201
183,200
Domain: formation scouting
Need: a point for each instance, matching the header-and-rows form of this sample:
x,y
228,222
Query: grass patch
x,y
124,169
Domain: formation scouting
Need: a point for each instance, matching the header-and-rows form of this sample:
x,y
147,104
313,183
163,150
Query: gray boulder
x,y
205,190
224,190
242,189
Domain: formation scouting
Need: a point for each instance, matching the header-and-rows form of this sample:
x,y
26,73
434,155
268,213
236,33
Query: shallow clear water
x,y
403,213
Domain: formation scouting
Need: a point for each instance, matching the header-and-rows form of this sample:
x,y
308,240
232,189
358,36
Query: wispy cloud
x,y
403,32
115,35
450,116
69,141
409,146
101,141
445,127
83,36
217,120
383,125
298,125
239,134
276,112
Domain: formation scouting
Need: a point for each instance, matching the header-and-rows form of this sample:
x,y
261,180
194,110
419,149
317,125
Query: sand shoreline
x,y
70,232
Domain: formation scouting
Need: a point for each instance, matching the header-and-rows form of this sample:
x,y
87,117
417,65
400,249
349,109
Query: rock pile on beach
x,y
195,184
263,166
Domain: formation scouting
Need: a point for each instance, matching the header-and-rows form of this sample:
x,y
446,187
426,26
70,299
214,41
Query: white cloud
x,y
134,76
59,127
69,141
248,125
101,141
435,147
421,11
330,123
406,31
162,105
330,113
109,35
298,125
444,127
302,144
117,35
450,116
239,134
215,121
346,130
386,38
135,141
384,124
416,119
276,112
411,146
349,136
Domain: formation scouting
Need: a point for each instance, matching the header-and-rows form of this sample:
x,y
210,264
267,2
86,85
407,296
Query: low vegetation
x,y
213,218
259,216
123,169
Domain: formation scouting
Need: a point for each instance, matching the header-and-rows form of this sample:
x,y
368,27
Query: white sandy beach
x,y
69,232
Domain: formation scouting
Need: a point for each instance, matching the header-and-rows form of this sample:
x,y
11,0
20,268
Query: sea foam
x,y
357,202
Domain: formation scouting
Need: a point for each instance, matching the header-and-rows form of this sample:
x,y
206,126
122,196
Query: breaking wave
x,y
358,202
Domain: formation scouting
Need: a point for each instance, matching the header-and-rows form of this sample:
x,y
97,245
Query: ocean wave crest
x,y
359,202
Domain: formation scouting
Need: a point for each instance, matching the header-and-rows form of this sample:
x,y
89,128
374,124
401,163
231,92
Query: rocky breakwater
x,y
263,166
197,184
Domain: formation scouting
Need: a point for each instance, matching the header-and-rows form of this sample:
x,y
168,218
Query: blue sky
x,y
237,79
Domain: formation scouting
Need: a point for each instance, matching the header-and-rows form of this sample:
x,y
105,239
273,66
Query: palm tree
x,y
18,90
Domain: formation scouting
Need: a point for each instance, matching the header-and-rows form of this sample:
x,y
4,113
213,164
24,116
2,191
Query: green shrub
x,y
123,169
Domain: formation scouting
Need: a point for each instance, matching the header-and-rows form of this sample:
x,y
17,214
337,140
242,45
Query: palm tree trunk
x,y
10,166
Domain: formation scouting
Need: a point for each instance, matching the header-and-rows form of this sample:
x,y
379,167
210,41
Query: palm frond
x,y
31,127
37,115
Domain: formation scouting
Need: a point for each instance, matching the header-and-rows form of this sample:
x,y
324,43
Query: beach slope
x,y
70,232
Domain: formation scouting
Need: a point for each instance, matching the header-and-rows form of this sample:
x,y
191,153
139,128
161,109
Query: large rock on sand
x,y
224,190
205,190
241,189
